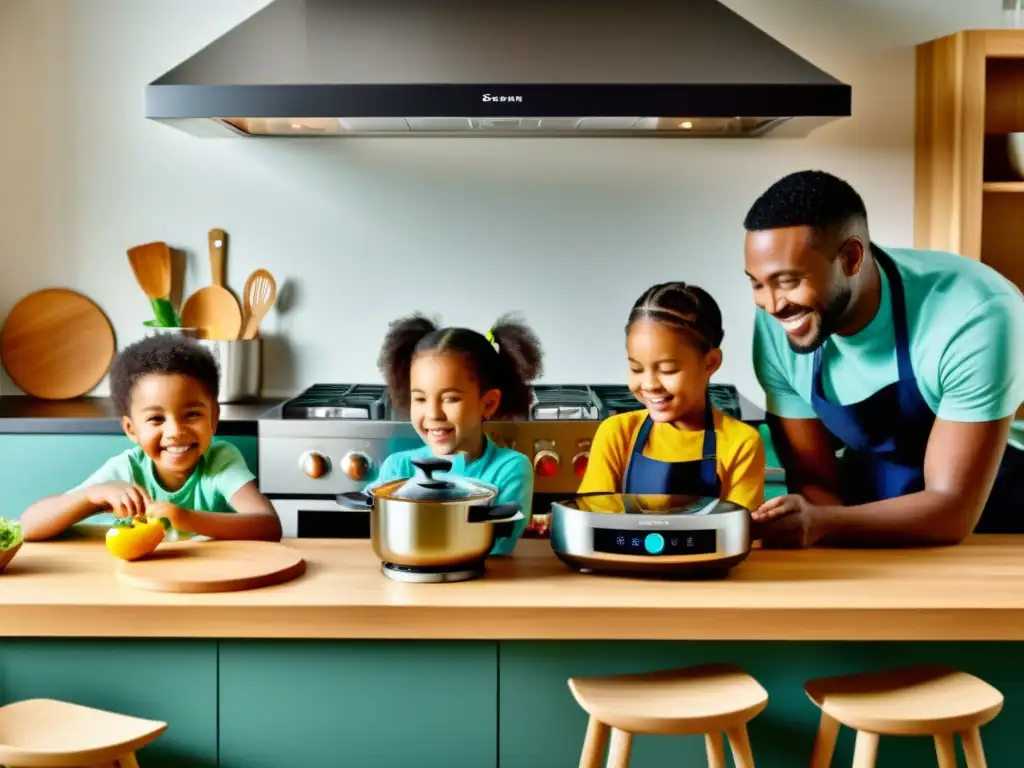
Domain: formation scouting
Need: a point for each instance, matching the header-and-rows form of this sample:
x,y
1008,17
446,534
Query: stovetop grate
x,y
615,398
726,398
563,402
338,401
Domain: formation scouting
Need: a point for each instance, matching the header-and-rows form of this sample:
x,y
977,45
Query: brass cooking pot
x,y
428,522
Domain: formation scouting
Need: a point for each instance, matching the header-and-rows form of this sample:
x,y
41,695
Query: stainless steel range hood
x,y
640,68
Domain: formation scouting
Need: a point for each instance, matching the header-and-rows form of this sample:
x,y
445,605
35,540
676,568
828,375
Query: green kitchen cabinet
x,y
543,727
170,680
33,466
386,704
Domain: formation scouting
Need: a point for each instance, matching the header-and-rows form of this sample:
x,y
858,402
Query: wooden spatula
x,y
212,310
257,298
151,264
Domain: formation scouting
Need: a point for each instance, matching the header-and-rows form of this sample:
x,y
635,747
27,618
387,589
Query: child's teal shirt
x,y
508,470
215,480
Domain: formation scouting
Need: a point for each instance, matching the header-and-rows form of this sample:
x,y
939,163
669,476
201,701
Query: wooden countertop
x,y
971,592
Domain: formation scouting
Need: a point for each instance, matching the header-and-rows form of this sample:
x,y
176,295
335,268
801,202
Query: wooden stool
x,y
705,699
44,733
912,701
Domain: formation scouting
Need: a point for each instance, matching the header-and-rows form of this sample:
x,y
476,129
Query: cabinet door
x,y
35,466
170,680
382,704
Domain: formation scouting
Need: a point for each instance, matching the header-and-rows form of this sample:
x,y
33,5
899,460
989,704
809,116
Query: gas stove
x,y
332,438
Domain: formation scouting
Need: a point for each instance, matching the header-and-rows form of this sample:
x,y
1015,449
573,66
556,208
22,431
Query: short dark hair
x,y
508,365
805,199
161,354
684,307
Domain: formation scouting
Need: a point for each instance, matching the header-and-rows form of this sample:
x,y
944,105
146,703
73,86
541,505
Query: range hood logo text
x,y
492,97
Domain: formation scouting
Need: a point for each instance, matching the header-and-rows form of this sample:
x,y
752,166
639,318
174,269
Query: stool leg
x,y
739,742
825,742
972,748
594,744
618,753
865,750
715,749
945,750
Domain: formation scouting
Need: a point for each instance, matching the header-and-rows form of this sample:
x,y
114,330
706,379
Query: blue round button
x,y
654,543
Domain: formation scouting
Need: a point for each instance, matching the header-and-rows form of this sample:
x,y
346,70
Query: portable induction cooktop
x,y
650,535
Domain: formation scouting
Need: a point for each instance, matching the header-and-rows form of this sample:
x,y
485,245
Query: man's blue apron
x,y
886,435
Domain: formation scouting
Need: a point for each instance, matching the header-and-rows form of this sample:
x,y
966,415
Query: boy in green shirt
x,y
165,388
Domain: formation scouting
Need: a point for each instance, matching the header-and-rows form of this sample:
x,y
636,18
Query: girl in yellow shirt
x,y
679,443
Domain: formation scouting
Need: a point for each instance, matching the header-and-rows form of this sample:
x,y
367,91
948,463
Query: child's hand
x,y
175,515
123,499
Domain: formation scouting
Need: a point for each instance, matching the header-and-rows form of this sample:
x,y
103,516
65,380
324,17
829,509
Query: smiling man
x,y
908,364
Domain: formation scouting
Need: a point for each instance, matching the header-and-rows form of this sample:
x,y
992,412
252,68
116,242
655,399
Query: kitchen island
x,y
343,666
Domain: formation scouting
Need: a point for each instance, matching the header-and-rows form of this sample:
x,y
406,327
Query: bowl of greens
x,y
10,541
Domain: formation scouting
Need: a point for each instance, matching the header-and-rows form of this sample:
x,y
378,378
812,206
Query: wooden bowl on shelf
x,y
7,555
1015,151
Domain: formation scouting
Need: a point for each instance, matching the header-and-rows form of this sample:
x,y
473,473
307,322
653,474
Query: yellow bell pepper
x,y
131,539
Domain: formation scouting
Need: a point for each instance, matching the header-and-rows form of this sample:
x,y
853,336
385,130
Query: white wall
x,y
568,232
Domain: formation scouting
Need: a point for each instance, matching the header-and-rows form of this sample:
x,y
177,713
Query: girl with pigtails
x,y
450,381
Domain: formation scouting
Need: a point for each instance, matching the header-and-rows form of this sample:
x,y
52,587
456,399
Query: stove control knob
x,y
579,463
546,464
356,465
314,465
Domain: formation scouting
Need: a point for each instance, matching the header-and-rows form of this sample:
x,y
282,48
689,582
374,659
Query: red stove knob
x,y
546,464
579,463
314,465
356,465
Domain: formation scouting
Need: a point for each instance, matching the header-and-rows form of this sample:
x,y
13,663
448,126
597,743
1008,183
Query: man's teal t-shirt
x,y
966,328
506,469
217,477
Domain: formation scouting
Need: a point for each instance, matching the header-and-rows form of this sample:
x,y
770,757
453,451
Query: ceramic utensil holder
x,y
241,368
240,362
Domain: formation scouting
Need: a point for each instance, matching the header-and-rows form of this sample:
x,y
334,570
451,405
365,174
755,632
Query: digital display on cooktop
x,y
655,543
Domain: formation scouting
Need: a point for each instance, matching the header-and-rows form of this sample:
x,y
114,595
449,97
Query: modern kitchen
x,y
281,181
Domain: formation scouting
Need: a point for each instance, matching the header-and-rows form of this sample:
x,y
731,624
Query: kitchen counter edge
x,y
23,414
70,589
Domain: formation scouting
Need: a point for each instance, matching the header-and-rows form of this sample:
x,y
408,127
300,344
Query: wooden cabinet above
x,y
968,198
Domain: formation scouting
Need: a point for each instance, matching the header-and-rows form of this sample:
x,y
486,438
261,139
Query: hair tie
x,y
490,338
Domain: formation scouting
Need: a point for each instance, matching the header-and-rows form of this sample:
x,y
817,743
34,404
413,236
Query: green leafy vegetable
x,y
10,534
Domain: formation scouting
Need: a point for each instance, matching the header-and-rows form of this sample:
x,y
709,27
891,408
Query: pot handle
x,y
494,513
355,501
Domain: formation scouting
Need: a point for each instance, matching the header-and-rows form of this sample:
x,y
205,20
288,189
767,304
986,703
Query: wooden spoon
x,y
257,298
151,264
212,310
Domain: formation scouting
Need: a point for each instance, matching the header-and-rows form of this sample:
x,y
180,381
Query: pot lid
x,y
425,487
650,504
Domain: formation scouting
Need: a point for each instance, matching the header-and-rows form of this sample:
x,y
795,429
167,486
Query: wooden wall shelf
x,y
1003,186
968,200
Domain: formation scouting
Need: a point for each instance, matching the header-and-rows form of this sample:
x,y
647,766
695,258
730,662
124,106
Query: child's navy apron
x,y
650,476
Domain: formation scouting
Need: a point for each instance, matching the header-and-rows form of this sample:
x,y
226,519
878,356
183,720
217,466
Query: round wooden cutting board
x,y
56,344
213,566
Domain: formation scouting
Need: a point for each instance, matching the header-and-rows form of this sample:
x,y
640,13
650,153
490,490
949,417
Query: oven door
x,y
320,519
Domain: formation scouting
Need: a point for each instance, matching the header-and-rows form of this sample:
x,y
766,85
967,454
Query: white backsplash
x,y
358,232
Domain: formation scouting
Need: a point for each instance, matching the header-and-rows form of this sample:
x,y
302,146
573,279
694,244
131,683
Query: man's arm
x,y
960,467
981,378
805,449
801,441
